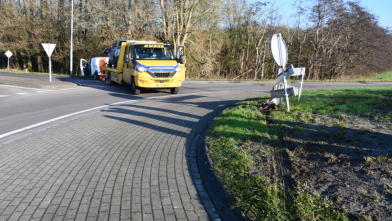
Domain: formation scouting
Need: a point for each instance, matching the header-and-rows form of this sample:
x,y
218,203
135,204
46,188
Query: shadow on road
x,y
187,117
190,116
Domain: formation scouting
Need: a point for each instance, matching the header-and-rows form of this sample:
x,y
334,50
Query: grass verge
x,y
383,77
387,76
242,139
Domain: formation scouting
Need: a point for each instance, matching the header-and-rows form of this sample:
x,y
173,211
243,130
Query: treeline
x,y
223,38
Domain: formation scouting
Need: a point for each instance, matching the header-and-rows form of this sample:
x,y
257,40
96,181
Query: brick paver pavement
x,y
131,162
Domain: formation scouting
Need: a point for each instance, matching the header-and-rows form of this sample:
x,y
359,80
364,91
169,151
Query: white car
x,y
91,68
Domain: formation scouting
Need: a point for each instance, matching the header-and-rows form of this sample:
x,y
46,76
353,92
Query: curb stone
x,y
215,189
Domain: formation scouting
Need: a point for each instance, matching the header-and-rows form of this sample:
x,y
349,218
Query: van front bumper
x,y
144,80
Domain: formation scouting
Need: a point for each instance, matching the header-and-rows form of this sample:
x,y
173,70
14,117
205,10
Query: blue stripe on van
x,y
158,68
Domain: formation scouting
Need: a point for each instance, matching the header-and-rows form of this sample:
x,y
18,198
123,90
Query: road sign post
x,y
49,49
280,55
8,54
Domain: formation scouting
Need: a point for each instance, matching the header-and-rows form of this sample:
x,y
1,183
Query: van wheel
x,y
109,78
134,89
174,90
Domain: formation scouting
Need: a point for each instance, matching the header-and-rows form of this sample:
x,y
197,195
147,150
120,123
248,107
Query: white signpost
x,y
8,54
49,49
279,53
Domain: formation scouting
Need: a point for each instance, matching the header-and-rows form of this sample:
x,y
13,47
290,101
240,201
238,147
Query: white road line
x,y
29,88
21,93
4,95
67,89
91,109
41,91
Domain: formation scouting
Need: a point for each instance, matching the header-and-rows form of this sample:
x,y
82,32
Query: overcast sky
x,y
380,8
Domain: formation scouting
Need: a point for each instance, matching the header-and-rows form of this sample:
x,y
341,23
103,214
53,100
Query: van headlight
x,y
140,68
177,69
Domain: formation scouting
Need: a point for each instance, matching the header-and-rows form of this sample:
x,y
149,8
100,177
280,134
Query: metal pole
x,y
284,74
300,89
8,64
285,92
50,69
71,38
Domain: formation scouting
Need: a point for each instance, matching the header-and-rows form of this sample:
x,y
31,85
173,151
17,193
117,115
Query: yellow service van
x,y
148,65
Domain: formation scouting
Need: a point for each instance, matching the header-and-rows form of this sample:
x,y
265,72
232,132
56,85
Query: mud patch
x,y
274,161
346,159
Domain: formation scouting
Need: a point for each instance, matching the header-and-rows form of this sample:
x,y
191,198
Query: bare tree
x,y
224,38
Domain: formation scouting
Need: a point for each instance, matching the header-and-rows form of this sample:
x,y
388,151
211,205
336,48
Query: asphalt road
x,y
21,107
143,160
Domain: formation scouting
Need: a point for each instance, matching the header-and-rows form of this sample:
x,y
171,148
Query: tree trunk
x,y
263,64
40,65
29,63
242,62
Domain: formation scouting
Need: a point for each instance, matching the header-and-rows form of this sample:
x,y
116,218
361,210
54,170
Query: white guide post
x,y
70,63
300,88
8,54
285,92
49,49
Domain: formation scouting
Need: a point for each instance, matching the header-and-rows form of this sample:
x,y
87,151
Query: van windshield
x,y
153,52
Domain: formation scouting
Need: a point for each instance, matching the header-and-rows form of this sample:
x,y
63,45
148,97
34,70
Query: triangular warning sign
x,y
48,48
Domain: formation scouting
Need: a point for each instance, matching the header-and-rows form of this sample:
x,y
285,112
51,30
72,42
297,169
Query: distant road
x,y
23,106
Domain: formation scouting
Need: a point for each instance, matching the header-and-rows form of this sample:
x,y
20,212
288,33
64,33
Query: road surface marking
x,y
21,93
91,109
29,88
4,95
66,89
41,89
